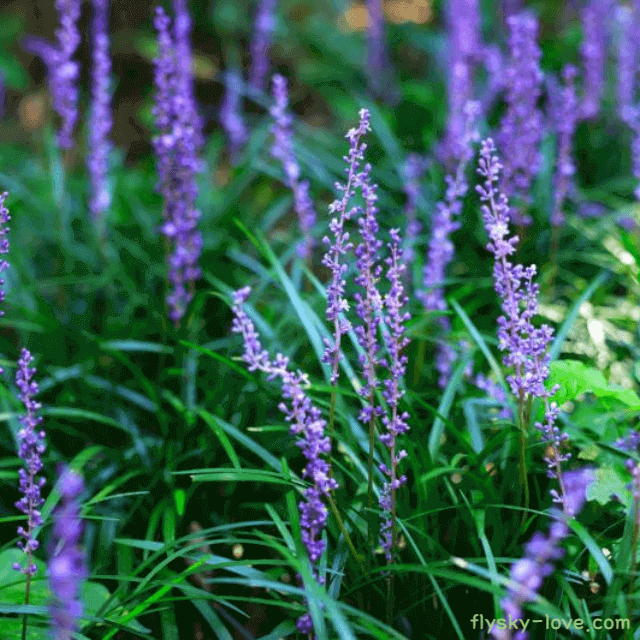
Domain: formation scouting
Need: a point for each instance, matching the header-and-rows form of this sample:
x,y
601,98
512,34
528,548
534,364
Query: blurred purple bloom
x,y
494,65
465,51
306,422
62,71
627,223
67,564
336,302
528,573
627,50
100,121
413,170
230,113
495,392
634,123
591,209
629,443
596,19
564,113
31,448
395,423
260,43
464,26
376,50
282,149
177,147
378,67
521,126
441,249
525,345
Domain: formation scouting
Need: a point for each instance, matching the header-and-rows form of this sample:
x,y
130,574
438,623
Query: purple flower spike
x,y
596,19
4,246
336,302
528,573
230,114
62,71
67,564
66,71
31,448
101,120
282,149
396,422
521,126
368,306
565,117
307,423
260,44
441,249
525,345
177,148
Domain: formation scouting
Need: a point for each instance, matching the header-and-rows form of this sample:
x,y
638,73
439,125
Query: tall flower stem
x,y
336,302
526,346
30,450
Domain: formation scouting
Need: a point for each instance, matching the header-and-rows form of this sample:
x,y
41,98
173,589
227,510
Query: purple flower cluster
x,y
230,115
396,423
31,448
63,72
176,148
521,127
565,116
526,346
306,422
629,443
528,573
260,44
67,565
282,150
336,302
101,120
441,250
413,169
596,18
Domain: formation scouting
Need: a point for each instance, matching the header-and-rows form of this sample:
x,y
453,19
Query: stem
x,y
332,413
370,485
345,533
522,464
389,599
26,598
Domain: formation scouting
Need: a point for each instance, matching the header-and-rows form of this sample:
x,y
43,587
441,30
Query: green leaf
x,y
607,483
576,378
